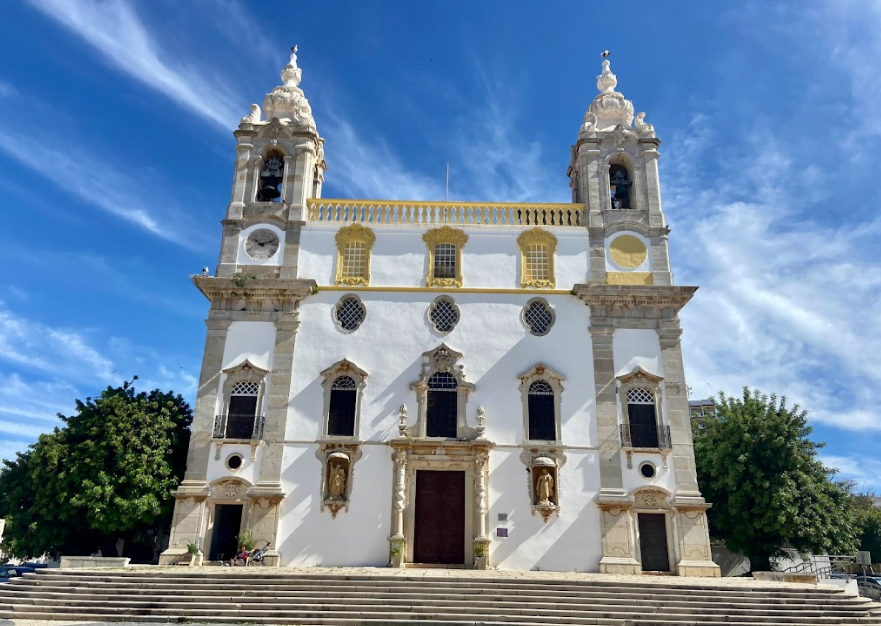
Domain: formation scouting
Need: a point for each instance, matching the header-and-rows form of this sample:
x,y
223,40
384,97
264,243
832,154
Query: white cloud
x,y
114,29
864,471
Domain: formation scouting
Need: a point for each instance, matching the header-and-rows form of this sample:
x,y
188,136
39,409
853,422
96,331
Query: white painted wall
x,y
491,258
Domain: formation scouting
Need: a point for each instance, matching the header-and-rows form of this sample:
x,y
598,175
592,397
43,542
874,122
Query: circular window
x,y
444,314
538,316
349,313
234,461
647,470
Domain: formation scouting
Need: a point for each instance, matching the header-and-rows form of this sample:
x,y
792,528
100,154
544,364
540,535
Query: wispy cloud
x,y
114,29
864,471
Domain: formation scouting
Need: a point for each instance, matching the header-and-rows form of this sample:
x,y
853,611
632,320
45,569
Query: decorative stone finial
x,y
607,81
291,74
402,420
287,102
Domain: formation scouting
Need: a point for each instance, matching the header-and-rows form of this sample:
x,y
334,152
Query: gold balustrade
x,y
457,213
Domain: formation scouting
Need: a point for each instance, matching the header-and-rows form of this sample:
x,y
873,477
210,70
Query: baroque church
x,y
460,384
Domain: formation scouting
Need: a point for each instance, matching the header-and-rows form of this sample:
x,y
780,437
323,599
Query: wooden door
x,y
439,532
653,542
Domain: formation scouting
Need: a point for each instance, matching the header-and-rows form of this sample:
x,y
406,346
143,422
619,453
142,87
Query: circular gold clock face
x,y
261,244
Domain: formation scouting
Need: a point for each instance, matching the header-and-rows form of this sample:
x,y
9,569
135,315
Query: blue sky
x,y
116,155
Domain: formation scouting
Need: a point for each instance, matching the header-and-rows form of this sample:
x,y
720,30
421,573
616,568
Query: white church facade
x,y
405,383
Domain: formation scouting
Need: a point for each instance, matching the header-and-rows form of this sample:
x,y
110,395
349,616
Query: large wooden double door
x,y
439,529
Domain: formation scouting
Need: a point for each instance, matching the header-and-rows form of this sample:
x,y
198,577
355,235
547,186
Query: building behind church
x,y
444,383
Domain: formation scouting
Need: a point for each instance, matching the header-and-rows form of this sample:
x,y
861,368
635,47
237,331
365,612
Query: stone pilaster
x,y
396,538
660,260
237,199
480,509
206,406
291,249
229,248
608,442
597,258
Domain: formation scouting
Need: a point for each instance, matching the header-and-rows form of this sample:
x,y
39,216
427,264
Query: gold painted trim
x,y
436,236
356,289
348,234
544,238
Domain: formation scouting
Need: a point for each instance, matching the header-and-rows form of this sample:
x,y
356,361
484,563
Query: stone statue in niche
x,y
620,188
336,484
545,488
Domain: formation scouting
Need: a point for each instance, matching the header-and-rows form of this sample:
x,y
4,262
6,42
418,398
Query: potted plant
x,y
481,555
193,551
396,554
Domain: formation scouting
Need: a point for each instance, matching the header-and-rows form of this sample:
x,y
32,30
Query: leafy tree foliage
x,y
759,468
107,472
868,520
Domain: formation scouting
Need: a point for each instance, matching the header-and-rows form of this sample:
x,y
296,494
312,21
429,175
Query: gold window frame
x,y
453,236
344,236
540,237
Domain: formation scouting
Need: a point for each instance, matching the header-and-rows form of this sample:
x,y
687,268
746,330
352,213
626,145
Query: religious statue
x,y
545,488
337,482
621,195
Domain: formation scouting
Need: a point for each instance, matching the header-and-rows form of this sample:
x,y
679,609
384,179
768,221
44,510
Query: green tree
x,y
868,520
758,466
107,472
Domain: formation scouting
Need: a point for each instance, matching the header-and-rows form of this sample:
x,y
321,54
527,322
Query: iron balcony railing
x,y
457,213
645,436
235,426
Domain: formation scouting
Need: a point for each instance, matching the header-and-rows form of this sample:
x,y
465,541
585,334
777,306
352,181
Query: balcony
x,y
648,436
234,426
392,212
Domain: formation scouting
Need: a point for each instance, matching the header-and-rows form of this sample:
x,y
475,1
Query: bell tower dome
x,y
279,165
613,170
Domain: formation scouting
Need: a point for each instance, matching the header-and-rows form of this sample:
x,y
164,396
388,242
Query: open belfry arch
x,y
425,383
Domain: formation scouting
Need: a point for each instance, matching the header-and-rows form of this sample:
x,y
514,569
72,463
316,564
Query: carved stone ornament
x,y
442,359
610,107
641,125
650,499
230,489
444,234
254,116
540,237
337,474
287,102
543,479
344,236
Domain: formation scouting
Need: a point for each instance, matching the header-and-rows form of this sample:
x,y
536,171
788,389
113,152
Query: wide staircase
x,y
258,596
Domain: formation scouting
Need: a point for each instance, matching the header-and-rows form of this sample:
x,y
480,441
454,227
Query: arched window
x,y
354,244
242,410
541,389
620,184
343,383
343,400
269,187
442,408
537,249
541,412
445,256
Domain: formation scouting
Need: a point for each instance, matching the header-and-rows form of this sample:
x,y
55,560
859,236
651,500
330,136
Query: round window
x,y
349,313
538,316
647,470
444,314
234,461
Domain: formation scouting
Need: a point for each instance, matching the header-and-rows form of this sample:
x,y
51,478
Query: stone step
x,y
481,615
187,596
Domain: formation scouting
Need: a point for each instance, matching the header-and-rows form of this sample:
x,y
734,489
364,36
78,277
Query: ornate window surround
x,y
348,234
554,379
244,371
641,379
547,306
444,234
346,455
442,359
434,305
541,237
538,458
336,308
342,368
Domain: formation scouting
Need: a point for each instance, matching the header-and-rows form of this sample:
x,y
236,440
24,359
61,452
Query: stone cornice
x,y
254,294
616,297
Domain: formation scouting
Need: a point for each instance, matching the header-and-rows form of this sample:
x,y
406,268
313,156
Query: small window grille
x,y
354,260
542,422
344,383
537,266
245,388
350,312
444,315
538,317
445,260
640,395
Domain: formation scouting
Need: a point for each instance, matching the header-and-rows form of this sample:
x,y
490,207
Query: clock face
x,y
261,244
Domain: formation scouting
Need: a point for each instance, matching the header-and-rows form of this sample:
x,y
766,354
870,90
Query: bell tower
x,y
613,170
279,165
